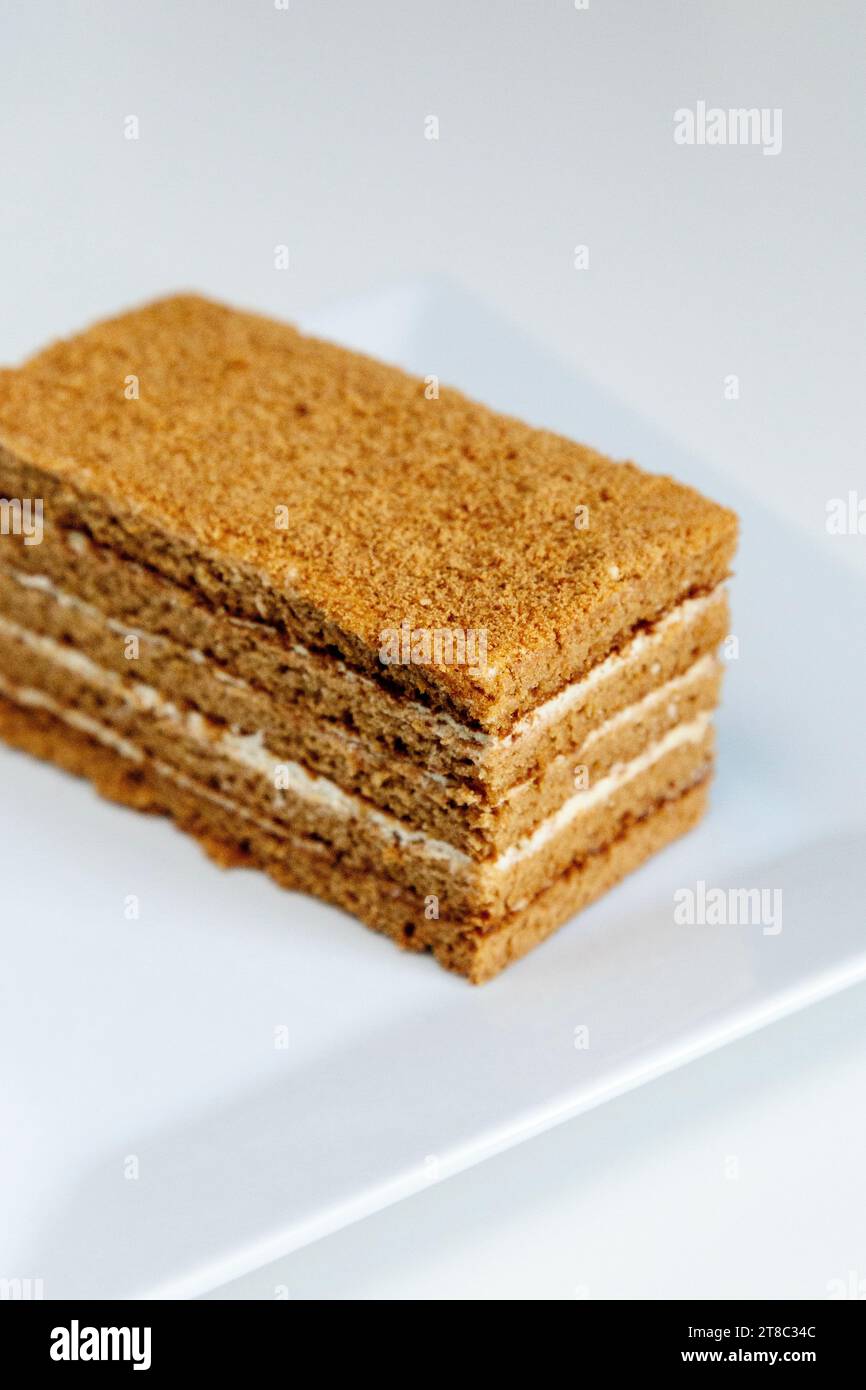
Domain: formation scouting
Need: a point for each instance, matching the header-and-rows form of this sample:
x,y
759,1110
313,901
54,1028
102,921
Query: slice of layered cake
x,y
449,672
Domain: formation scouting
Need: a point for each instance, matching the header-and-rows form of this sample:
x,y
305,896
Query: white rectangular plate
x,y
238,1070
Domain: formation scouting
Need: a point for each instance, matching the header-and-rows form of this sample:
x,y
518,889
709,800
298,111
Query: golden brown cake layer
x,y
292,480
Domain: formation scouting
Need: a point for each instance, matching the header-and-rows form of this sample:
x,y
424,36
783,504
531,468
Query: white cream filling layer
x,y
663,694
249,750
633,652
40,583
603,790
37,699
441,724
669,694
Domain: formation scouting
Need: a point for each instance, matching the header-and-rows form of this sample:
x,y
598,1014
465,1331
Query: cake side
x,y
236,771
478,793
475,948
260,684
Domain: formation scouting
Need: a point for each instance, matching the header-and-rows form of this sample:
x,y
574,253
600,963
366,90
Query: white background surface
x,y
151,1040
261,127
634,1200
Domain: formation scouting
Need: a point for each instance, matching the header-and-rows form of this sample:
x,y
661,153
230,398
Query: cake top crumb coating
x,y
395,507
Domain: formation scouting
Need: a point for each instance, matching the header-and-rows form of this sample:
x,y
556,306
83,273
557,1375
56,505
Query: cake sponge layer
x,y
292,480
